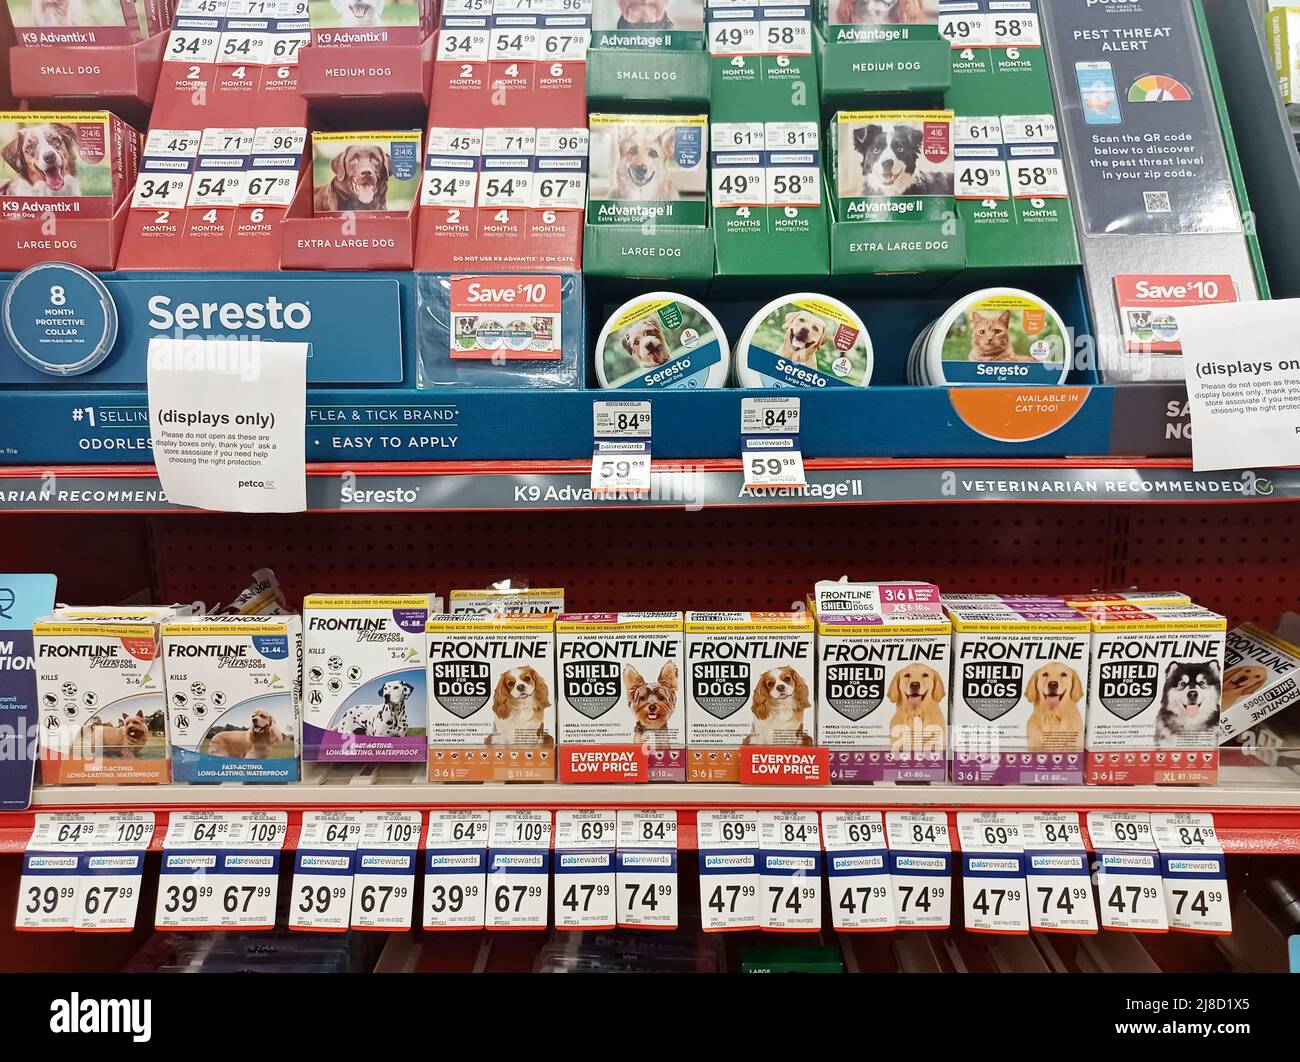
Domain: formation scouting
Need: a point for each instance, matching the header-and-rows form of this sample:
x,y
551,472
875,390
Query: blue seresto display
x,y
355,326
23,600
59,319
804,340
662,340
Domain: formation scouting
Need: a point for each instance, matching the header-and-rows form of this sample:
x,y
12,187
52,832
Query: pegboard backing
x,y
715,559
1240,559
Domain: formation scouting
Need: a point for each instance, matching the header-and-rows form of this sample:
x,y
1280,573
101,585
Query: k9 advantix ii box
x,y
1019,692
491,705
99,677
364,677
233,690
620,716
882,683
65,164
1155,691
749,681
1261,678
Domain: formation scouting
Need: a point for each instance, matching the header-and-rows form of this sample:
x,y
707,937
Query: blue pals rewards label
x,y
23,600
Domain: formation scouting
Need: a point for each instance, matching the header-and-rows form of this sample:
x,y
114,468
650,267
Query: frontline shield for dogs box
x,y
65,164
99,678
1155,688
749,681
233,690
491,602
882,675
1019,691
364,677
491,706
619,674
1261,678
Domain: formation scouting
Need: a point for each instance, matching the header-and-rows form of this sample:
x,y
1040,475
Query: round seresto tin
x,y
993,336
805,340
662,339
60,318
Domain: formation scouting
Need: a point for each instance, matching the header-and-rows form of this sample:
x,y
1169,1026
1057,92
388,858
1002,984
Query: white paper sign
x,y
857,871
647,869
322,871
228,422
1244,397
728,846
455,870
584,869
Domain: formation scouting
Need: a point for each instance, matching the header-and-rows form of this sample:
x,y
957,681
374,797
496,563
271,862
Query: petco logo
x,y
133,1017
231,316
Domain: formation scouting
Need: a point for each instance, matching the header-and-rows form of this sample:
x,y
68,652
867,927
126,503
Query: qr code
x,y
1156,202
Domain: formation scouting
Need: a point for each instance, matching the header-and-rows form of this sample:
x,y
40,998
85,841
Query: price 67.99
x,y
507,898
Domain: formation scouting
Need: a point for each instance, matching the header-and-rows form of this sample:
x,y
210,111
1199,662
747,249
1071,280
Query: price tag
x,y
584,869
736,35
993,872
322,871
787,36
1194,871
737,136
220,870
47,887
273,170
519,863
514,38
770,455
790,869
560,182
620,462
1038,178
244,41
646,865
981,178
1129,886
857,871
505,183
559,42
165,169
112,866
965,29
1057,874
451,167
1029,129
383,884
920,860
455,870
729,879
1013,31
738,180
769,415
793,181
464,39
193,40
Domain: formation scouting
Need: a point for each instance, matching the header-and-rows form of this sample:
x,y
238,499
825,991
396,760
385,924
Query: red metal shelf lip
x,y
526,468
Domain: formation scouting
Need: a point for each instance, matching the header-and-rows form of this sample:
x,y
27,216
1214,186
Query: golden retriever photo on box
x,y
917,693
1055,724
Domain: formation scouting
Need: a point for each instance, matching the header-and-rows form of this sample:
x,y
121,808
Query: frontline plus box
x,y
1154,695
233,690
99,677
363,679
1019,691
1261,677
491,700
882,676
749,681
620,714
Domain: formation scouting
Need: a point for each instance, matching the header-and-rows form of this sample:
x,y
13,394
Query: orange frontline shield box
x,y
99,679
491,699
